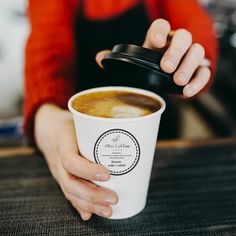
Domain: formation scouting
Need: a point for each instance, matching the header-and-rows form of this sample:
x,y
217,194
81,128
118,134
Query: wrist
x,y
45,125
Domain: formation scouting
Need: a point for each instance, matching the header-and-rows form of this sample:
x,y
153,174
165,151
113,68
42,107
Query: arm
x,y
49,84
49,57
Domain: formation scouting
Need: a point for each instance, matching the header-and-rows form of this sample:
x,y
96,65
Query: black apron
x,y
93,36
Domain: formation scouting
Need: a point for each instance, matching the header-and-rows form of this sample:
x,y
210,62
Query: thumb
x,y
100,56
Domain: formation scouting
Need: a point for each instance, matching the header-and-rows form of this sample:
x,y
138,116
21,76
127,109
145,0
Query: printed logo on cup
x,y
118,150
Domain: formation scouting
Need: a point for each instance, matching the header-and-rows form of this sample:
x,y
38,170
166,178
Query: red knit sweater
x,y
50,51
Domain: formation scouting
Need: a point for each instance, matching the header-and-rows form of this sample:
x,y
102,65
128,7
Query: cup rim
x,y
118,88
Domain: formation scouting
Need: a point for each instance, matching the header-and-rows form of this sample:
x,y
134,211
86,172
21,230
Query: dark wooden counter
x,y
192,192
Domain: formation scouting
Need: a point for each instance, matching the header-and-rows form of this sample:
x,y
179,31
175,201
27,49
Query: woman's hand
x,y
181,56
55,137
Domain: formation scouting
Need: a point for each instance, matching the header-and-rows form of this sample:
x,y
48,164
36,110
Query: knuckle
x,y
178,50
66,162
89,207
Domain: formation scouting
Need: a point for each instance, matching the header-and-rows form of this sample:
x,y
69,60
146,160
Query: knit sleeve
x,y
190,15
49,57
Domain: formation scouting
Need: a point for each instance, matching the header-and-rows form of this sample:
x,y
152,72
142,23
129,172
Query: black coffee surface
x,y
116,104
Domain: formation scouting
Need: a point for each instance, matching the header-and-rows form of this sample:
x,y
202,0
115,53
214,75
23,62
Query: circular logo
x,y
117,150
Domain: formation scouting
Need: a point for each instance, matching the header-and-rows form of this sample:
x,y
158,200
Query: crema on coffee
x,y
115,104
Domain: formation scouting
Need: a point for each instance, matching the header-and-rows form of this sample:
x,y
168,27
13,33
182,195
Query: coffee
x,y
115,104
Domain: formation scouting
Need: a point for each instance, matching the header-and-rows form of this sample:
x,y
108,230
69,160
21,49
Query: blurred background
x,y
13,33
214,113
211,115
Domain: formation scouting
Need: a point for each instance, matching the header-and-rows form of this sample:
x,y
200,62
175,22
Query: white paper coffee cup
x,y
125,146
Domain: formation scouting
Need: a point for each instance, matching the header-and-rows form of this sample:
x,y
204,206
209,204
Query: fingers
x,y
181,56
74,163
157,34
179,45
88,198
189,64
198,82
87,191
85,208
85,215
81,167
100,56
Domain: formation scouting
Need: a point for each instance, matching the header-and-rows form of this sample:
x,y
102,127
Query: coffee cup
x,y
122,138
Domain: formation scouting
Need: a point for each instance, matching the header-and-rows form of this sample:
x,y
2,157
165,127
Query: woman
x,y
65,37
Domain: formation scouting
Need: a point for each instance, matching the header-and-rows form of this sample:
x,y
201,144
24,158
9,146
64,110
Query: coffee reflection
x,y
116,104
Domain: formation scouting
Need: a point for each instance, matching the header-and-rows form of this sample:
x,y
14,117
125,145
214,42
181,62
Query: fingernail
x,y
111,200
160,39
189,91
170,65
182,77
102,176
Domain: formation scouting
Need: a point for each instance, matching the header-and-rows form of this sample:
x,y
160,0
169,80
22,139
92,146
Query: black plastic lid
x,y
136,66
